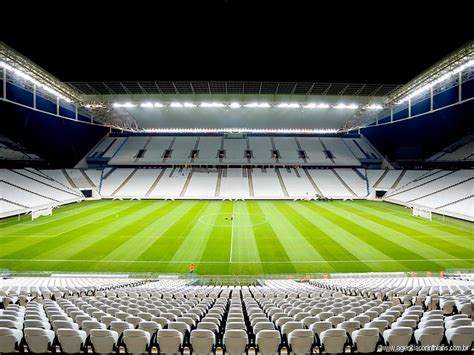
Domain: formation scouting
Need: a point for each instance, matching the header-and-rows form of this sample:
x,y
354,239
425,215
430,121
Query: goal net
x,y
422,212
48,211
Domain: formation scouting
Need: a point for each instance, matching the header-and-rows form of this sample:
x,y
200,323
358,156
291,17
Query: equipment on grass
x,y
48,211
422,212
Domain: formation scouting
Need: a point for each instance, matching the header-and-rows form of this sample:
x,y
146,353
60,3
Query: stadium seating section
x,y
12,151
443,191
462,150
104,315
220,150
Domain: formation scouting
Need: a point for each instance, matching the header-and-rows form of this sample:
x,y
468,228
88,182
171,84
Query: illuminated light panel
x,y
323,106
176,104
158,104
235,105
244,130
189,104
146,104
436,81
344,106
34,81
285,105
309,106
211,104
127,104
374,107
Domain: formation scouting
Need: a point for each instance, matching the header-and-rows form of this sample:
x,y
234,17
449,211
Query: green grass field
x,y
265,237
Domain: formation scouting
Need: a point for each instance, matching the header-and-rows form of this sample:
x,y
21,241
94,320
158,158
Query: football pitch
x,y
242,237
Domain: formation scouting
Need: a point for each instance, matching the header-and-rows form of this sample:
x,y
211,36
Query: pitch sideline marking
x,y
234,262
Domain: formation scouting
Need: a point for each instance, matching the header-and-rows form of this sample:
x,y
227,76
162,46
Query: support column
x,y
4,83
431,98
34,95
460,86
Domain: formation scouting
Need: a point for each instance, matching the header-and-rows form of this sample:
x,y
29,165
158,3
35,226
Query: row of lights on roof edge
x,y
440,79
251,105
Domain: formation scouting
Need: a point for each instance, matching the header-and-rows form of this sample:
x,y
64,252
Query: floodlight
x,y
211,104
375,107
254,104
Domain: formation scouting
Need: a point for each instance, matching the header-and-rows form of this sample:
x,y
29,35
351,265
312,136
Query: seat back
x,y
288,327
366,339
71,340
429,336
398,336
38,339
268,341
458,323
349,326
9,339
333,340
120,326
321,326
300,341
462,336
149,326
169,341
202,341
103,340
235,341
136,340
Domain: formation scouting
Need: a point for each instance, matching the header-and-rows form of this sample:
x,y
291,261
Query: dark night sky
x,y
232,40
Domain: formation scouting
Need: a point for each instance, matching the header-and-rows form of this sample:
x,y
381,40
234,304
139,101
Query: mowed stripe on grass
x,y
266,237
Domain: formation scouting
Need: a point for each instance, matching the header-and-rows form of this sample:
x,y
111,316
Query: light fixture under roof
x,y
374,107
235,105
251,105
126,105
345,106
244,130
146,104
189,104
212,104
32,80
441,77
176,104
158,104
285,105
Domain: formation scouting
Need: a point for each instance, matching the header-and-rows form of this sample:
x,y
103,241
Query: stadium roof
x,y
102,97
232,87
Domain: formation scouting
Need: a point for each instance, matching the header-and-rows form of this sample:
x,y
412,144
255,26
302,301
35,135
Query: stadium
x,y
236,216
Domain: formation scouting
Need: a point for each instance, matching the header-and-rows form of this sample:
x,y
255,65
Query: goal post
x,y
422,212
47,211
